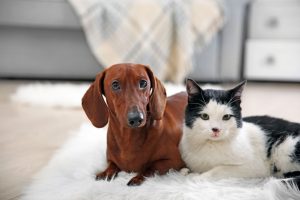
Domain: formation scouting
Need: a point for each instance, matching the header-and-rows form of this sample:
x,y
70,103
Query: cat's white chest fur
x,y
200,156
226,158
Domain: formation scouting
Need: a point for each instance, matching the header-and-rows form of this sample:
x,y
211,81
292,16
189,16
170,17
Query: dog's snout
x,y
135,118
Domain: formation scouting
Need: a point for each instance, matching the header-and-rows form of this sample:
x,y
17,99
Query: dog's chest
x,y
130,156
132,161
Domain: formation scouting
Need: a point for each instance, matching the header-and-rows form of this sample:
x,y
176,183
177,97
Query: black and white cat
x,y
218,143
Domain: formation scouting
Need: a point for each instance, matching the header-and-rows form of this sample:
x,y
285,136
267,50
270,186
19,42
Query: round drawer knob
x,y
272,22
270,60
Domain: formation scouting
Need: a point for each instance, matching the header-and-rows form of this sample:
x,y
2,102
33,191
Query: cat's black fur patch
x,y
195,105
291,174
197,102
296,155
277,131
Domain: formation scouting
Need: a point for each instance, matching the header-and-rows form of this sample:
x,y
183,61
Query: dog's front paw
x,y
106,175
137,180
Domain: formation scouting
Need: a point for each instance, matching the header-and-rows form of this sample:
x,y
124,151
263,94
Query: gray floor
x,y
29,136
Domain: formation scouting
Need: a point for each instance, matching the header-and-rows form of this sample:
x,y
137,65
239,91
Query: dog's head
x,y
132,94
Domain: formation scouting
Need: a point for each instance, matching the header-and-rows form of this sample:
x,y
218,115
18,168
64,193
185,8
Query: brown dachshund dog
x,y
144,125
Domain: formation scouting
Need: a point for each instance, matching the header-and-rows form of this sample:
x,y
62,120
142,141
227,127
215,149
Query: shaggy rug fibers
x,y
70,174
65,95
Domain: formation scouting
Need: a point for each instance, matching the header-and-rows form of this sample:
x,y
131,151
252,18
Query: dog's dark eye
x,y
226,117
143,84
204,116
115,85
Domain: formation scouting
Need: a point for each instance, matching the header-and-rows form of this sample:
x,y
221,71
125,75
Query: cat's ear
x,y
192,87
237,91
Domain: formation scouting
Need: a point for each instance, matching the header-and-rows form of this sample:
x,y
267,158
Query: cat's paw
x,y
184,171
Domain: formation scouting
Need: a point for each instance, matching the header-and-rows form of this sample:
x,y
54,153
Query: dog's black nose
x,y
135,118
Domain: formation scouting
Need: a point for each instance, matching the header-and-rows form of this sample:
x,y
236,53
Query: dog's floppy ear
x,y
93,103
158,98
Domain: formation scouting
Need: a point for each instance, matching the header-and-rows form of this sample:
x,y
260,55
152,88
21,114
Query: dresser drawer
x,y
273,19
272,60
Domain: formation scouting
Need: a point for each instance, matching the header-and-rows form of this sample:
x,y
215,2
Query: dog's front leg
x,y
160,167
140,178
110,173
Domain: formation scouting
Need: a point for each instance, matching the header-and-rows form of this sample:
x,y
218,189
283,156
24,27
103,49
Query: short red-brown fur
x,y
151,147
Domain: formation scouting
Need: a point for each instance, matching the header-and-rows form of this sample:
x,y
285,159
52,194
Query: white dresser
x,y
273,41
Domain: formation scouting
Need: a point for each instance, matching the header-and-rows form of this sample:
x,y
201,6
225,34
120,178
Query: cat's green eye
x,y
226,117
204,116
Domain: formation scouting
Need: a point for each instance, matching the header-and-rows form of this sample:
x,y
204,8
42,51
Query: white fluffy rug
x,y
70,175
65,95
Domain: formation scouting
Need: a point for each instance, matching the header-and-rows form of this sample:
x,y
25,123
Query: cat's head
x,y
215,114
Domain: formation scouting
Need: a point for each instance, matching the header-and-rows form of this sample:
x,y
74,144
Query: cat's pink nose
x,y
216,130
